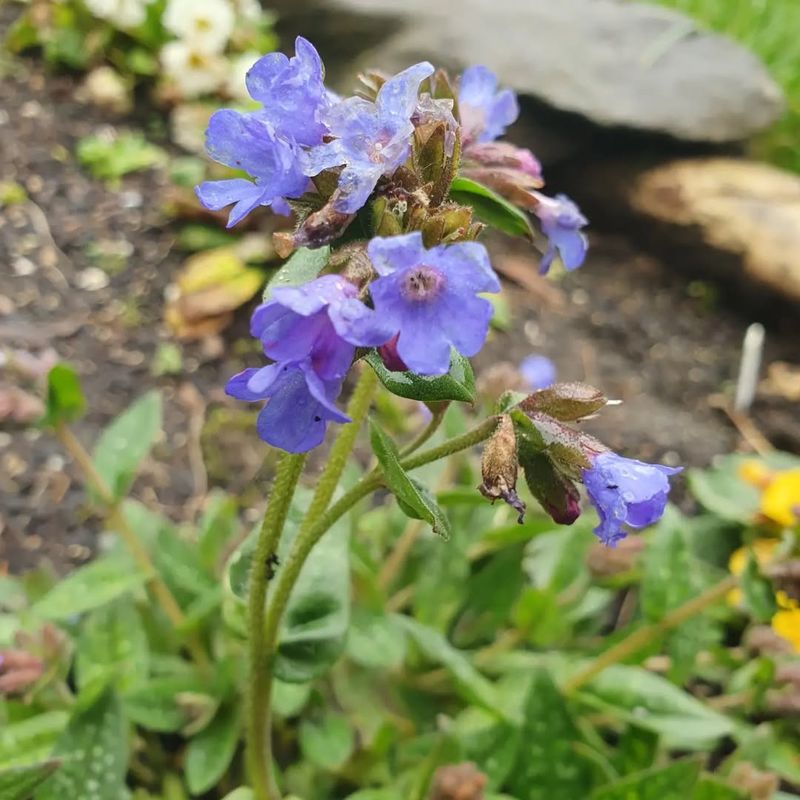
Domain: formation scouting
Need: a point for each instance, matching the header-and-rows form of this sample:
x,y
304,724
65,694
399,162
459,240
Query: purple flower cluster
x,y
311,331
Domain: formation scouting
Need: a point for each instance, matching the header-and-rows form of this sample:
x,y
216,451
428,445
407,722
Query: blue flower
x,y
538,371
246,142
485,113
372,139
427,298
321,321
293,93
300,403
561,223
626,492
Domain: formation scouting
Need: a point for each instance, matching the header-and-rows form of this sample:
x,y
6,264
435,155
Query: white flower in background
x,y
193,73
248,10
206,25
122,14
237,72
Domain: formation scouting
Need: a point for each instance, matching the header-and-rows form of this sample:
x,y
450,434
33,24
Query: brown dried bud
x,y
757,784
19,670
606,562
499,467
318,229
566,402
458,782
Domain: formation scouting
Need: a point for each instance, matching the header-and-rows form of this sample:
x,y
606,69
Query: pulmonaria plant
x,y
390,190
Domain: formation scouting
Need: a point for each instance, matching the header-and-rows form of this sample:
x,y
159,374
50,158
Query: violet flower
x,y
247,142
561,222
485,113
539,372
293,93
300,403
372,139
626,492
427,298
322,321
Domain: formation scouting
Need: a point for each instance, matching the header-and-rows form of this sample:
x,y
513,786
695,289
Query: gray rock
x,y
616,63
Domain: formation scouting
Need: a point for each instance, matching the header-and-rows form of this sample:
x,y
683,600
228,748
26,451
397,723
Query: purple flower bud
x,y
321,321
538,371
506,156
293,93
300,405
485,112
626,492
371,139
561,222
246,142
429,298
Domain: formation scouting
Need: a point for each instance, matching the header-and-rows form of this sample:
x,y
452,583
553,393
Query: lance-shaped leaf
x,y
458,384
490,207
412,497
18,783
565,401
673,782
303,266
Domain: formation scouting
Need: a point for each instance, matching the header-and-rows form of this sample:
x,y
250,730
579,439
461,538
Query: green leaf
x,y
242,793
652,702
289,699
65,401
546,764
304,265
314,628
126,441
375,640
178,562
711,788
18,783
490,208
157,705
327,742
458,384
31,740
218,526
470,683
673,782
721,491
209,754
757,592
89,587
112,646
493,746
413,498
110,159
94,748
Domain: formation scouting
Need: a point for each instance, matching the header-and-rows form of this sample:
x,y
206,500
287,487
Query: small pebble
x,y
91,279
24,266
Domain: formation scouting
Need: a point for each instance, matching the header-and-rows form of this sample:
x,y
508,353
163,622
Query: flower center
x,y
422,283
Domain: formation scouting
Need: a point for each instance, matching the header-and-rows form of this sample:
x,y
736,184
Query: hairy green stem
x,y
265,628
290,466
641,637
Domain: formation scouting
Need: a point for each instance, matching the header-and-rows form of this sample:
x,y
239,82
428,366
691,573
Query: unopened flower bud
x,y
499,467
318,229
556,493
458,782
390,357
566,402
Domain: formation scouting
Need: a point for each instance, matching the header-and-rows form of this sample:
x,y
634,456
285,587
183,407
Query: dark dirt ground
x,y
626,322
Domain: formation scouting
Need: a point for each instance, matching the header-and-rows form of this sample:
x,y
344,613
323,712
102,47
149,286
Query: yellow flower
x,y
786,623
780,501
756,473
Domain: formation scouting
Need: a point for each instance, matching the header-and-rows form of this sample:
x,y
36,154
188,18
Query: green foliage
x,y
111,159
490,208
304,265
399,654
458,384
